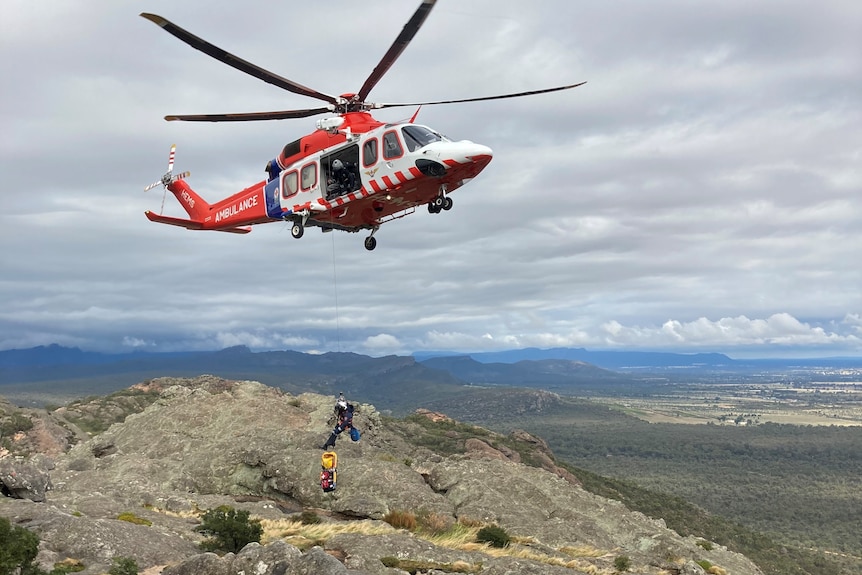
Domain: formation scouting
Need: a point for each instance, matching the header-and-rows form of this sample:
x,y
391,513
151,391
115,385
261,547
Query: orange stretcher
x,y
328,473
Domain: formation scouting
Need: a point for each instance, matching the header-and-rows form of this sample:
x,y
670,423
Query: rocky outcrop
x,y
277,558
210,442
25,478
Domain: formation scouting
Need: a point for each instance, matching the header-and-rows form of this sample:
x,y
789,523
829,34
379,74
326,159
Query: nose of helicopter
x,y
466,156
481,155
454,161
475,158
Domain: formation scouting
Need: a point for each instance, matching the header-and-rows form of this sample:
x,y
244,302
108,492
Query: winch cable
x,y
335,290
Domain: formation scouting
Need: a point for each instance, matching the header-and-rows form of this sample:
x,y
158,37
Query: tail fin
x,y
194,205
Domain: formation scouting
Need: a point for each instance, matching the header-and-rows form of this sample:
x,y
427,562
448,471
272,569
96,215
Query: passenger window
x,y
369,153
290,187
391,146
309,176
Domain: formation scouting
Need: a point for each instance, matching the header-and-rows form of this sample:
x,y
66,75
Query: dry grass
x,y
582,551
460,536
303,536
401,519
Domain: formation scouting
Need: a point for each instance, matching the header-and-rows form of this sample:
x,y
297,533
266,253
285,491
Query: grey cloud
x,y
701,191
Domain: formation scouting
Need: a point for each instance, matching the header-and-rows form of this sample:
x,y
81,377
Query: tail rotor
x,y
169,177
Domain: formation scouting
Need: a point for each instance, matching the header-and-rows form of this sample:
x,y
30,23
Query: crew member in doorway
x,y
342,180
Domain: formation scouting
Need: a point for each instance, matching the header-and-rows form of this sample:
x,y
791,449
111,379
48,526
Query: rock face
x,y
25,479
208,442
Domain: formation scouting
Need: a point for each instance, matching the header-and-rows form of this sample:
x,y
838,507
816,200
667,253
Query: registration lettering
x,y
236,208
190,201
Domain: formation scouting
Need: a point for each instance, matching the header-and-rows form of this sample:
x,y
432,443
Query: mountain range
x,y
56,373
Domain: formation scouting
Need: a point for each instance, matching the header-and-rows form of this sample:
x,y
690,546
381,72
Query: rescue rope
x,y
335,289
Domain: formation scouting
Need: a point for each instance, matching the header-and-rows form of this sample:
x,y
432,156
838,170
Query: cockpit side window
x,y
369,153
391,146
417,136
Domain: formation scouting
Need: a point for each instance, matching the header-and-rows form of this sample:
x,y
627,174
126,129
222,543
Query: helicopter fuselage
x,y
393,168
353,173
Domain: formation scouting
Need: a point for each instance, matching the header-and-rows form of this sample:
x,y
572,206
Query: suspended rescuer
x,y
343,421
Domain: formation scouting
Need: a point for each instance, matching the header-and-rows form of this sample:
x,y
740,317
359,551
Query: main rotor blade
x,y
251,116
401,42
235,62
518,95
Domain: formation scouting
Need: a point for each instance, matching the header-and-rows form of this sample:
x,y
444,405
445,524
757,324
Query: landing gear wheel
x,y
370,243
432,209
297,230
438,202
447,203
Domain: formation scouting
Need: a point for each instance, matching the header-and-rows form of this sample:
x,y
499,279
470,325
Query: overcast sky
x,y
702,192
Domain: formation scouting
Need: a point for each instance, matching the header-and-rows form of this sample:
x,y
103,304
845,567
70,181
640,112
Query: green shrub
x,y
124,566
704,544
309,517
622,563
494,535
229,530
18,548
13,423
705,564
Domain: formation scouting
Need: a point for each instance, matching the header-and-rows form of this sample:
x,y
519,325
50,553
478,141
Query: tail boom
x,y
233,214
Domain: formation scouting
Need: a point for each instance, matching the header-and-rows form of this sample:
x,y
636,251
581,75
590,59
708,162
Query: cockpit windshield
x,y
417,136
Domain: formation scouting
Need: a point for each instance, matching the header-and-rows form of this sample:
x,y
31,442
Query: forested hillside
x,y
801,485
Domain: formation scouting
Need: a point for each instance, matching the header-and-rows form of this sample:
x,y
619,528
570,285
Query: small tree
x,y
229,530
18,548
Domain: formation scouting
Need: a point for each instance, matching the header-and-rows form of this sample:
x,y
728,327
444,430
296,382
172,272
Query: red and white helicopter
x,y
353,173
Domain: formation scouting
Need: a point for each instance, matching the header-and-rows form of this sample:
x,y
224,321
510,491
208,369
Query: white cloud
x,y
781,329
383,344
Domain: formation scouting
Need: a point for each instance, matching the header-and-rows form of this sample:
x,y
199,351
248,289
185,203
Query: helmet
x,y
337,165
341,404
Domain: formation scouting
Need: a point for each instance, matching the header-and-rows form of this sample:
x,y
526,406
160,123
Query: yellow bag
x,y
329,460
